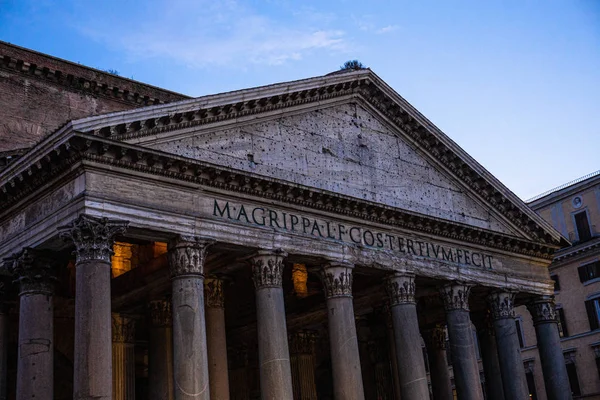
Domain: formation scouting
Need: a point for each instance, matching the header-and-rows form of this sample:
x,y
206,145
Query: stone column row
x,y
199,358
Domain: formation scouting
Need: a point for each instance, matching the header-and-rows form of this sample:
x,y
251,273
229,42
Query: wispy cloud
x,y
387,29
226,33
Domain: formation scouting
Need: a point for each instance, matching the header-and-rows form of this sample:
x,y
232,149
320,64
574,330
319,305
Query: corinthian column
x,y
216,340
160,351
489,357
35,376
556,379
123,357
345,360
273,351
462,346
400,288
435,341
509,352
93,239
302,352
186,261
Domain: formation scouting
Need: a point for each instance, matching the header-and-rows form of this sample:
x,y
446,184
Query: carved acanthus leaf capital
x,y
337,280
34,271
302,342
160,313
214,296
267,268
93,237
400,288
123,329
187,256
501,305
543,310
455,296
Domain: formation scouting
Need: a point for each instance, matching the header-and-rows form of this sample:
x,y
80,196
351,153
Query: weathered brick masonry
x,y
40,93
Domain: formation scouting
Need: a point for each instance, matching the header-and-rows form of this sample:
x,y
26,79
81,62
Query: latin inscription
x,y
262,216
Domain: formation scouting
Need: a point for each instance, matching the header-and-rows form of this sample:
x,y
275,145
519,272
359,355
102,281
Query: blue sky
x,y
516,83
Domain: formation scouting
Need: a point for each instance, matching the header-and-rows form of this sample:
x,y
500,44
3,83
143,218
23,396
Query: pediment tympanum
x,y
343,149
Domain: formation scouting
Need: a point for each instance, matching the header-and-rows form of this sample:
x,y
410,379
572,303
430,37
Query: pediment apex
x,y
345,86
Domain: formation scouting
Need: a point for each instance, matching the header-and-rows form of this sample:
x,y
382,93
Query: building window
x,y
572,372
530,380
592,307
583,227
596,348
425,359
556,283
589,271
520,335
562,323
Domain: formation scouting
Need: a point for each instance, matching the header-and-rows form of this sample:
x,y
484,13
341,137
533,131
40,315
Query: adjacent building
x,y
574,210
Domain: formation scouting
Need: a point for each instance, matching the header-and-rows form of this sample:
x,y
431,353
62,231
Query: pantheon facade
x,y
314,239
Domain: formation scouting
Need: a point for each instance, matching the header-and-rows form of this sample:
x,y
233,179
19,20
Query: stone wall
x,y
40,93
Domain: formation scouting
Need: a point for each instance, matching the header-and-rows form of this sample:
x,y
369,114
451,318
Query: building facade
x,y
295,241
574,210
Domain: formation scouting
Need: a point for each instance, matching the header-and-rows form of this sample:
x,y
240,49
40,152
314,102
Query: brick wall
x,y
40,93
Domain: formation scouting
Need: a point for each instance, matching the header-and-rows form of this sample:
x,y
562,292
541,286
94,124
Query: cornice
x,y
570,253
364,85
137,98
81,147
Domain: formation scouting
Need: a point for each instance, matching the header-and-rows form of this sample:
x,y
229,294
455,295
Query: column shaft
x,y
556,379
35,366
395,369
462,346
190,362
413,377
273,351
160,351
441,385
123,358
302,356
93,238
489,359
216,340
35,377
509,351
345,360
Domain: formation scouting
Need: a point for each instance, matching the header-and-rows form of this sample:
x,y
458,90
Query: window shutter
x,y
591,312
582,274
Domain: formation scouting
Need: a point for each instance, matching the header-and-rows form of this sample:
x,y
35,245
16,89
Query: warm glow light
x,y
121,260
299,278
160,248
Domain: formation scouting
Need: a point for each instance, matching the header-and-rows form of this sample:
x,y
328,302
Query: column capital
x,y
456,296
123,329
160,313
400,288
187,255
267,268
214,296
93,237
337,279
501,305
302,342
543,310
34,271
435,337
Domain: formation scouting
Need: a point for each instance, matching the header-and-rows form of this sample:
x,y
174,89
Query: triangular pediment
x,y
343,148
347,133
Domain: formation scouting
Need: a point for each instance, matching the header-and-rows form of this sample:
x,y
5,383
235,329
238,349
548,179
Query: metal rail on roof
x,y
546,193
